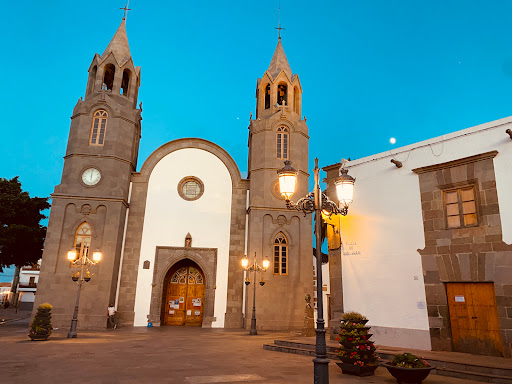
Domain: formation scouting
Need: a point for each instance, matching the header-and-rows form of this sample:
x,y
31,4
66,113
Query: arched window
x,y
280,255
92,79
282,143
282,94
125,82
99,127
267,96
296,100
108,77
83,239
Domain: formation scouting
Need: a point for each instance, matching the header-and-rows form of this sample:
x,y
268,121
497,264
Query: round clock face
x,y
91,176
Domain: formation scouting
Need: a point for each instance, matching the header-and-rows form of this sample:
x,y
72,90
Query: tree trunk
x,y
14,286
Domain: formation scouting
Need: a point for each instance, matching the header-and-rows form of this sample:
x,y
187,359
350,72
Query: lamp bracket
x,y
307,205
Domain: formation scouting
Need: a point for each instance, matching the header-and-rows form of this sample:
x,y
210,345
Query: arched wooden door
x,y
184,304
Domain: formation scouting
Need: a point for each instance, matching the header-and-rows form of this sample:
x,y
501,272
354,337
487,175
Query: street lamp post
x,y
255,267
318,202
83,262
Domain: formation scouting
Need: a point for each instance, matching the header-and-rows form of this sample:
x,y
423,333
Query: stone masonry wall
x,y
470,254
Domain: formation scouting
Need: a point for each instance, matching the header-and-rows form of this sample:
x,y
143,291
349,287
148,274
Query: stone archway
x,y
165,258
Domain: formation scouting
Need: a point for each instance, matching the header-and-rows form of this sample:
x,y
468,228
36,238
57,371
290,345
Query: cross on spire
x,y
279,21
126,9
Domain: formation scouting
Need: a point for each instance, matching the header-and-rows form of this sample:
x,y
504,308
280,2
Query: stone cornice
x,y
456,163
99,156
74,197
187,248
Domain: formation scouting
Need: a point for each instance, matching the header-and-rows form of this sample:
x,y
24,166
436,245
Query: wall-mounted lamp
x,y
509,131
397,163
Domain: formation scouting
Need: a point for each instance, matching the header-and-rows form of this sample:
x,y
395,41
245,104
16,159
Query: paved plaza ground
x,y
161,355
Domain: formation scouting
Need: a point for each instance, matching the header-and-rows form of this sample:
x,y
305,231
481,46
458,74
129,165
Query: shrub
x,y
42,323
408,360
353,316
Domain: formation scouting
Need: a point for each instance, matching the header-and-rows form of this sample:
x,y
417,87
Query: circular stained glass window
x,y
190,188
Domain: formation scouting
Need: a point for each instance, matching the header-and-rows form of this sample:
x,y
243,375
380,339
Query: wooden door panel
x,y
195,298
185,298
474,318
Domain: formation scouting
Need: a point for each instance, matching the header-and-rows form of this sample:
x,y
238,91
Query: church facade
x,y
172,235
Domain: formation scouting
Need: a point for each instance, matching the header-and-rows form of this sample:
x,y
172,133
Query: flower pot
x,y
38,337
408,375
364,359
357,370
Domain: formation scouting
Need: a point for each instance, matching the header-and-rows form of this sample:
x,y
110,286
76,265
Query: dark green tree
x,y
21,234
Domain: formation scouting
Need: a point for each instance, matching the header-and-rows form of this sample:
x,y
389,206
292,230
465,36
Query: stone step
x,y
468,371
476,376
293,344
297,350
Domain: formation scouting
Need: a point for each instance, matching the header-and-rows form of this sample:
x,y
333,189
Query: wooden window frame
x,y
86,235
100,115
280,246
459,190
281,133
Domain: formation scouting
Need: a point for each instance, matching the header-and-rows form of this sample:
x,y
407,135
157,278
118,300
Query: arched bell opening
x,y
183,295
282,94
108,77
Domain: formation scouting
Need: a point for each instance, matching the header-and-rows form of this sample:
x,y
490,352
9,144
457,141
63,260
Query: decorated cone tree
x,y
357,351
41,326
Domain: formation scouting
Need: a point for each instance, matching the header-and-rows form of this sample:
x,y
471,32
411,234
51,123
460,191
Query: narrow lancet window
x,y
267,96
282,143
280,255
296,100
99,127
83,237
125,82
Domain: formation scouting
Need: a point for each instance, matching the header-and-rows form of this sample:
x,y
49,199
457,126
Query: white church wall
x,y
382,271
168,219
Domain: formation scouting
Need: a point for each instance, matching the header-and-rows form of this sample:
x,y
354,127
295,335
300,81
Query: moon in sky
x,y
392,140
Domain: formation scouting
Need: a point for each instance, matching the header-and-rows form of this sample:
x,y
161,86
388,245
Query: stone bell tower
x,y
277,134
89,205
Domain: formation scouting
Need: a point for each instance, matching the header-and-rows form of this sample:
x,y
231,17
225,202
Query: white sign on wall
x,y
351,248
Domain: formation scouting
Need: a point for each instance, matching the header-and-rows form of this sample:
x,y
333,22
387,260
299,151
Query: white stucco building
x,y
426,241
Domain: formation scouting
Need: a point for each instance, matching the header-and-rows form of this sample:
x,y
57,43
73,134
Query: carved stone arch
x,y
289,238
79,222
164,150
283,123
97,106
165,258
185,255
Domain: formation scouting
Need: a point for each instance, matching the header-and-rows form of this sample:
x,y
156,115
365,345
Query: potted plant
x,y
41,326
408,369
357,351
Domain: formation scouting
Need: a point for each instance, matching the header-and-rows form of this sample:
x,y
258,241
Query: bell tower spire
x,y
100,157
114,70
278,134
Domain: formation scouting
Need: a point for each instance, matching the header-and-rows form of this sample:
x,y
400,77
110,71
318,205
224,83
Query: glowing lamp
x,y
245,262
266,263
287,180
72,255
345,187
96,256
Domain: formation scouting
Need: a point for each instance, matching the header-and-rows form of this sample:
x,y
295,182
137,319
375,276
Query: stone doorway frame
x,y
165,258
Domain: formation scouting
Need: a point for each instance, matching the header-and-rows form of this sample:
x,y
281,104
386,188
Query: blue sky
x,y
369,69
